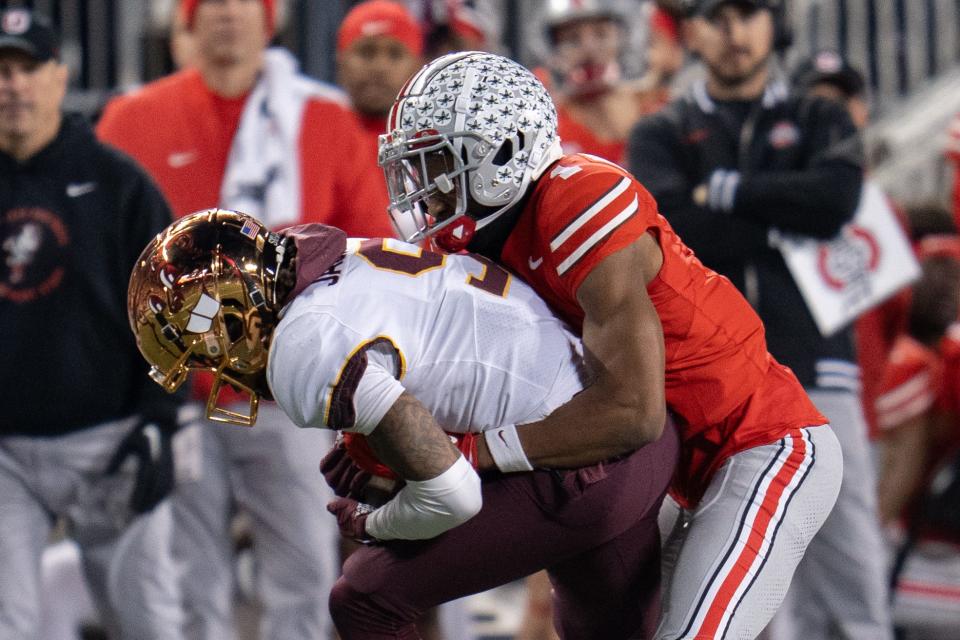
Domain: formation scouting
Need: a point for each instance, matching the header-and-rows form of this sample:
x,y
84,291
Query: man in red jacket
x,y
379,46
183,128
243,129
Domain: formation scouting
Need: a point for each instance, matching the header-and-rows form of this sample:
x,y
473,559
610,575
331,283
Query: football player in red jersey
x,y
473,161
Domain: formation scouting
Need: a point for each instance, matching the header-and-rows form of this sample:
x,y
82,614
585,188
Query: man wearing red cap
x,y
379,46
241,128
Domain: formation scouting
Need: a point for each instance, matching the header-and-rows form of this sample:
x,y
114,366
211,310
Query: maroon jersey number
x,y
493,279
382,256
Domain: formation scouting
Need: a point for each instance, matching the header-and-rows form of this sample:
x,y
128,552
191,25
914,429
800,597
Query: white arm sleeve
x,y
427,508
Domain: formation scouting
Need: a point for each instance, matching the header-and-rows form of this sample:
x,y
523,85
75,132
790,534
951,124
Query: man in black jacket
x,y
733,165
78,440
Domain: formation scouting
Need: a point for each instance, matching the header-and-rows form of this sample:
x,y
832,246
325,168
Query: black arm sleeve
x,y
818,199
653,153
147,214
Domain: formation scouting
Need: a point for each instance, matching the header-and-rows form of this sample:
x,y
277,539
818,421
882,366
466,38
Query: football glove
x,y
343,475
352,519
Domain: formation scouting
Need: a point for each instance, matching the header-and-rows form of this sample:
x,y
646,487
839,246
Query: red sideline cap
x,y
189,8
380,18
663,23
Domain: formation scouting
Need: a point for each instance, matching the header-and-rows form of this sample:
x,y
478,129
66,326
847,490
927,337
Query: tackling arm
x,y
624,408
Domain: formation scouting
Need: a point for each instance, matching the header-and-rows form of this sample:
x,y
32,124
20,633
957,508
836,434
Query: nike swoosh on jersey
x,y
77,189
181,158
503,439
534,264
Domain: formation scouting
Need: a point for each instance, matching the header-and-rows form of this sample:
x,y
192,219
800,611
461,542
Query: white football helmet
x,y
470,127
561,12
588,61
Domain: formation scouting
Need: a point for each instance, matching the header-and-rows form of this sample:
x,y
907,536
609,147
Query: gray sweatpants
x,y
271,471
840,588
127,562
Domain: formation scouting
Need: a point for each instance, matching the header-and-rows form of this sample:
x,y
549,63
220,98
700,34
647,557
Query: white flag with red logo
x,y
868,261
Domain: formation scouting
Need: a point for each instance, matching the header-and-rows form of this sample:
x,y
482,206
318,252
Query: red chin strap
x,y
455,237
591,79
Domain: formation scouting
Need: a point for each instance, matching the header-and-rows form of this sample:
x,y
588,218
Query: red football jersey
x,y
910,383
919,380
949,349
725,390
577,138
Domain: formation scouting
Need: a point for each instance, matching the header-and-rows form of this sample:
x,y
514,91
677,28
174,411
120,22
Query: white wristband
x,y
506,450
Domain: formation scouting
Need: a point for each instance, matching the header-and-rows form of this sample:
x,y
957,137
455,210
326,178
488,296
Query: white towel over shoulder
x,y
262,177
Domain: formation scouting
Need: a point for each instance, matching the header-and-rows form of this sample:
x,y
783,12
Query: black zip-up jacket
x,y
799,162
73,220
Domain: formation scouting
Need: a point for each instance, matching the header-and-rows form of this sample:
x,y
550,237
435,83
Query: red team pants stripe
x,y
942,591
755,537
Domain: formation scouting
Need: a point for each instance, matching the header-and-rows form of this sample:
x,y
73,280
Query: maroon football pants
x,y
594,529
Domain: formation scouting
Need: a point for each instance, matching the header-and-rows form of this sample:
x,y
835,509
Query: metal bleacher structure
x,y
909,51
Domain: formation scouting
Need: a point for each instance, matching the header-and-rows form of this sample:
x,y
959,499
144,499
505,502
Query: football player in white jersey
x,y
380,338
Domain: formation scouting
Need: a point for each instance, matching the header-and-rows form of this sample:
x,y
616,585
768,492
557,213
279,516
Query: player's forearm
x,y
593,426
409,441
590,428
442,489
423,510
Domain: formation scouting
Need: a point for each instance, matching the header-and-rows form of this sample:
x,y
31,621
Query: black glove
x,y
151,443
342,473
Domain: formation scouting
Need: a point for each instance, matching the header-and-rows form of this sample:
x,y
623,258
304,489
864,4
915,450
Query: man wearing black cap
x,y
733,165
78,441
828,75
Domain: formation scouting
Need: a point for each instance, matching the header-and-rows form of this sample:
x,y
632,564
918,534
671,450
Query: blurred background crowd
x,y
906,51
894,65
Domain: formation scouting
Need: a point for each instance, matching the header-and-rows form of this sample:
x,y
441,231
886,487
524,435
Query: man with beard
x,y
734,165
379,46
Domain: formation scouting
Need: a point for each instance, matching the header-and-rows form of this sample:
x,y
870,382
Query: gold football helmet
x,y
203,296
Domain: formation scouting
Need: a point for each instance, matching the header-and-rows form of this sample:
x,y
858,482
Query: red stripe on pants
x,y
750,551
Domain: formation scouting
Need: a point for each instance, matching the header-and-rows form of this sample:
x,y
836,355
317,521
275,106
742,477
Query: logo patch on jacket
x,y
32,247
696,136
784,134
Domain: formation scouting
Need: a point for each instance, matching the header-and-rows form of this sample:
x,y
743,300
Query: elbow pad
x,y
425,509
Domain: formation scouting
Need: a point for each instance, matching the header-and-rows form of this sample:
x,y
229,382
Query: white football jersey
x,y
476,346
